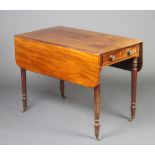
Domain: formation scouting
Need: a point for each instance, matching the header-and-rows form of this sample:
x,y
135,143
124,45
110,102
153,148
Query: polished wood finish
x,y
133,87
120,55
77,56
127,64
97,110
82,40
62,87
59,62
24,90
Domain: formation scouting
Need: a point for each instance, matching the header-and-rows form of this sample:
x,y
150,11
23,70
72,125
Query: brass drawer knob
x,y
130,52
112,58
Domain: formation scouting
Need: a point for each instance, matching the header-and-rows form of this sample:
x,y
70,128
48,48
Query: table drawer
x,y
120,55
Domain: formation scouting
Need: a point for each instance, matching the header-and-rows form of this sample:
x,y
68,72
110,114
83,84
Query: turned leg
x,y
133,87
97,110
62,87
24,93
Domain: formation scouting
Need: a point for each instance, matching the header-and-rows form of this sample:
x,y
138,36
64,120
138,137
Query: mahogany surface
x,y
83,40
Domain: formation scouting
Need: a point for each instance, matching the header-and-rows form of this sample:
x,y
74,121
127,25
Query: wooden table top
x,y
83,40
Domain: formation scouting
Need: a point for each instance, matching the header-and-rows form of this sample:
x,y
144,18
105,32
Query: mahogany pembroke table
x,y
77,56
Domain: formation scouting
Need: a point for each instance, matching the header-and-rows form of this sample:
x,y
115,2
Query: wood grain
x,y
59,62
127,64
71,54
86,41
120,55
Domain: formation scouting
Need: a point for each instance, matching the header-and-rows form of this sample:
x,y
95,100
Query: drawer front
x,y
120,55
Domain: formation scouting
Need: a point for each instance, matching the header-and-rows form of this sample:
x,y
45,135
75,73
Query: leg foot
x,y
62,88
97,110
24,92
24,104
97,128
133,111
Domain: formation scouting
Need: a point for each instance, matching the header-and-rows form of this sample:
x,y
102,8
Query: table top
x,y
83,40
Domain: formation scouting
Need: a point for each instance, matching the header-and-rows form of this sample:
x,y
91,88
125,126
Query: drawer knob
x,y
130,52
112,58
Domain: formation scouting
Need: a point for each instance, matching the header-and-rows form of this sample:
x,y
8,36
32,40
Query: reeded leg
x,y
133,87
97,110
24,93
62,87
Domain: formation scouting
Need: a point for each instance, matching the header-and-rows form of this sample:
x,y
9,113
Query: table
x,y
77,56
